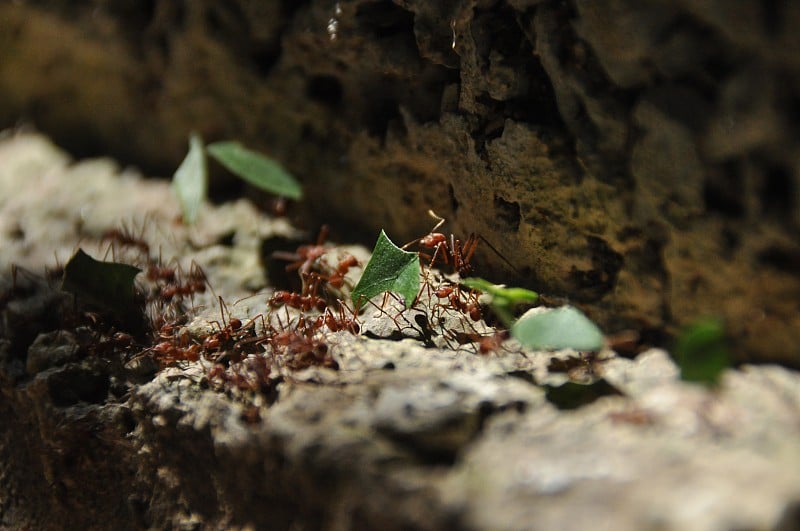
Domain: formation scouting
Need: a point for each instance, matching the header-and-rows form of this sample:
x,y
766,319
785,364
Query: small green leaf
x,y
518,295
190,181
564,327
513,295
503,298
389,269
256,169
480,284
108,285
701,351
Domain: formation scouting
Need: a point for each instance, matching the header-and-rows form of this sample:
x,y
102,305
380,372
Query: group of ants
x,y
243,355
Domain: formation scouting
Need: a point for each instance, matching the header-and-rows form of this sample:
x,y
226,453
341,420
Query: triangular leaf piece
x,y
105,284
564,327
255,168
389,269
190,181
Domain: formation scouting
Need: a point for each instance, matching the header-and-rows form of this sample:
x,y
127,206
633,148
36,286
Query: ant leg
x,y
469,247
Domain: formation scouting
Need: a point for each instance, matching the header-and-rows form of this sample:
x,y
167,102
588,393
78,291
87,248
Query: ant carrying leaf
x,y
454,253
389,269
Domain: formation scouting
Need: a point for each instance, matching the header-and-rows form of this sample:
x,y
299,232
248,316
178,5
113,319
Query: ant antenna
x,y
437,217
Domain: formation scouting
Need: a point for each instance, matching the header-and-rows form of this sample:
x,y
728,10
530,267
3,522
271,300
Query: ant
x,y
250,375
233,338
306,255
218,339
296,300
125,238
336,323
168,353
336,279
300,346
470,307
454,254
307,300
156,273
196,282
302,351
492,342
118,341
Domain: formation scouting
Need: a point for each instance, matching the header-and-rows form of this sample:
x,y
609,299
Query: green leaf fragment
x,y
512,295
108,285
190,181
701,351
389,269
480,284
255,168
503,299
564,327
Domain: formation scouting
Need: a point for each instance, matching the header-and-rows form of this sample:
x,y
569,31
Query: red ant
x,y
303,350
224,335
118,341
300,346
453,254
157,273
335,323
234,337
306,300
196,282
173,290
296,300
169,331
493,342
125,238
167,352
336,279
197,278
453,295
306,255
250,375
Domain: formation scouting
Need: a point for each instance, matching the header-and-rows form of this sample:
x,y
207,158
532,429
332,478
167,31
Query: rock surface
x,y
638,158
398,437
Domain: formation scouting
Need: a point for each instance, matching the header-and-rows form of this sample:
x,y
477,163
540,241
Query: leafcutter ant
x,y
124,237
306,256
454,253
336,279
